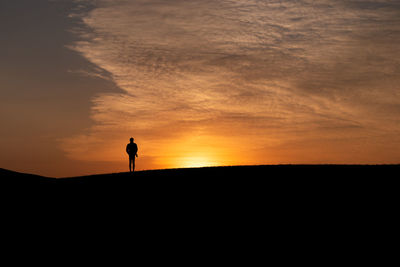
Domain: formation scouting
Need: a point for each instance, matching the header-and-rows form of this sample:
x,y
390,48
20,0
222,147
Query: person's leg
x,y
133,164
130,164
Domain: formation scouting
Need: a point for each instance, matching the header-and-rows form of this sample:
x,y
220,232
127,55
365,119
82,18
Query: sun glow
x,y
199,161
196,150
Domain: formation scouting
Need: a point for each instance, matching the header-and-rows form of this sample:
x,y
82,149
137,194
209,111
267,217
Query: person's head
x,y
131,139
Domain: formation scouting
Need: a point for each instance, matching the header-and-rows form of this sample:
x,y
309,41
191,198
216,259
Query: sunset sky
x,y
197,83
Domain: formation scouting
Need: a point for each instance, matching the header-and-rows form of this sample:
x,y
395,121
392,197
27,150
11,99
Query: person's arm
x,y
137,151
127,149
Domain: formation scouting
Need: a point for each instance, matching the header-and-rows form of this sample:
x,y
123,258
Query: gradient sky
x,y
197,82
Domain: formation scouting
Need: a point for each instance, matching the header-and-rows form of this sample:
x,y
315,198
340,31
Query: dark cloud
x,y
42,96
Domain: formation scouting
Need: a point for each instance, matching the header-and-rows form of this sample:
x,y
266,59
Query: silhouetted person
x,y
132,149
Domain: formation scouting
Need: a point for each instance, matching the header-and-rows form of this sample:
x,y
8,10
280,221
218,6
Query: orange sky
x,y
198,83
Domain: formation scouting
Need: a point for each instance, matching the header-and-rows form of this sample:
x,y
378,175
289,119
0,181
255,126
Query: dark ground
x,y
240,180
247,186
290,213
265,173
284,193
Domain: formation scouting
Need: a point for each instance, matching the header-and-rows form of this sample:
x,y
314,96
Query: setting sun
x,y
188,162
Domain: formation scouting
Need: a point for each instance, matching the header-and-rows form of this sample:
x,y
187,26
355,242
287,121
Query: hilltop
x,y
13,177
268,189
265,173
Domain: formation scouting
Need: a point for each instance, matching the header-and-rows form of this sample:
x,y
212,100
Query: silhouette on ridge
x,y
132,149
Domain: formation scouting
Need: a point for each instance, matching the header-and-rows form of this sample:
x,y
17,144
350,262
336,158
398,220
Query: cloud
x,y
266,69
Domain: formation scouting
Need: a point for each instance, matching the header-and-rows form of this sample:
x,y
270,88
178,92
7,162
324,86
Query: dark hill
x,y
248,180
277,199
12,177
275,182
244,174
262,171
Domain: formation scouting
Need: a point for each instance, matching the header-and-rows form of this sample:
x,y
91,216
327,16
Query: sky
x,y
197,83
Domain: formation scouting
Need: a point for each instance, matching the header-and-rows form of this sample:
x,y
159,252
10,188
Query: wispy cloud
x,y
268,72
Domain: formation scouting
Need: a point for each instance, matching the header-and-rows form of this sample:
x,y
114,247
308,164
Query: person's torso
x,y
132,147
